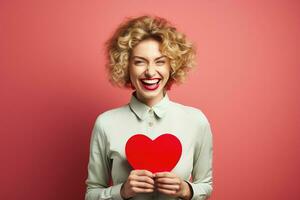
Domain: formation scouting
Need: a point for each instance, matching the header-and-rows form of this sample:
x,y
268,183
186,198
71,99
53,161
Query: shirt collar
x,y
141,109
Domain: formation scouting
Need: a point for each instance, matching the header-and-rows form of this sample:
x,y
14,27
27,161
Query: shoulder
x,y
195,118
108,117
189,112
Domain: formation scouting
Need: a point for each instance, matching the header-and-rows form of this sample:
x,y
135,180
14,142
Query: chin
x,y
149,95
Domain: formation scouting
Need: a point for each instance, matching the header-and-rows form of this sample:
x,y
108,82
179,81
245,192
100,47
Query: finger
x,y
141,190
170,181
167,192
143,173
142,179
168,187
165,174
141,185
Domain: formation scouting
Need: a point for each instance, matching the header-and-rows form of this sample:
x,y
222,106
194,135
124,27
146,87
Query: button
x,y
150,123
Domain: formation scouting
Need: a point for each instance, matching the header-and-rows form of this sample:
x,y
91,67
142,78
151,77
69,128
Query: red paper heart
x,y
161,154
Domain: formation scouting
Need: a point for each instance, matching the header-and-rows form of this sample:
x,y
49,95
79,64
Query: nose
x,y
150,71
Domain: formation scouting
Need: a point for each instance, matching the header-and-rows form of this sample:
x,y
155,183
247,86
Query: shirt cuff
x,y
116,192
197,193
191,188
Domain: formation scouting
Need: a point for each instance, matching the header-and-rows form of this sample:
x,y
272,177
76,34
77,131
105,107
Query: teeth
x,y
151,81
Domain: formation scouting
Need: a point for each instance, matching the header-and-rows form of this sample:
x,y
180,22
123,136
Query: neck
x,y
151,101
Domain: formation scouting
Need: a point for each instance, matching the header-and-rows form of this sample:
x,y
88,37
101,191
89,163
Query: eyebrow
x,y
146,59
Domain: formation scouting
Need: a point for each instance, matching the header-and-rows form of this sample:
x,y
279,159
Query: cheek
x,y
136,72
134,76
166,74
131,72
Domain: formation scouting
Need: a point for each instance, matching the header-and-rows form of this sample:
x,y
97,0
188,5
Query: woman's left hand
x,y
170,184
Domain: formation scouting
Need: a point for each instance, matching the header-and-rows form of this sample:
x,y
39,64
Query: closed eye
x,y
161,62
139,62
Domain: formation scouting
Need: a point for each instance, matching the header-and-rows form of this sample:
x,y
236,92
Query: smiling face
x,y
149,71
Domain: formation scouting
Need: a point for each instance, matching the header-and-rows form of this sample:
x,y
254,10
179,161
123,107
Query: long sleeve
x,y
202,166
99,168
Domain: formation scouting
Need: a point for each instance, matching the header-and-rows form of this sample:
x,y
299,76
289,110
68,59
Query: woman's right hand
x,y
138,181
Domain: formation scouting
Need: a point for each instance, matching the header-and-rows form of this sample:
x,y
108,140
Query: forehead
x,y
148,48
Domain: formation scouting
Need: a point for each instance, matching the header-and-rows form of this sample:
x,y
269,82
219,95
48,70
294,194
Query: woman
x,y
148,54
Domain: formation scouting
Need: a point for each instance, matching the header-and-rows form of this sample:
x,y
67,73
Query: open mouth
x,y
150,84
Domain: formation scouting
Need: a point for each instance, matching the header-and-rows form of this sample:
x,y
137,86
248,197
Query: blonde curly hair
x,y
174,45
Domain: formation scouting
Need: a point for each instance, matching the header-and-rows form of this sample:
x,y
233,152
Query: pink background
x,y
53,86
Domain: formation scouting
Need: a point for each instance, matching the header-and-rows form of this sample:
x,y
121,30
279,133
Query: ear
x,y
128,83
132,86
169,84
